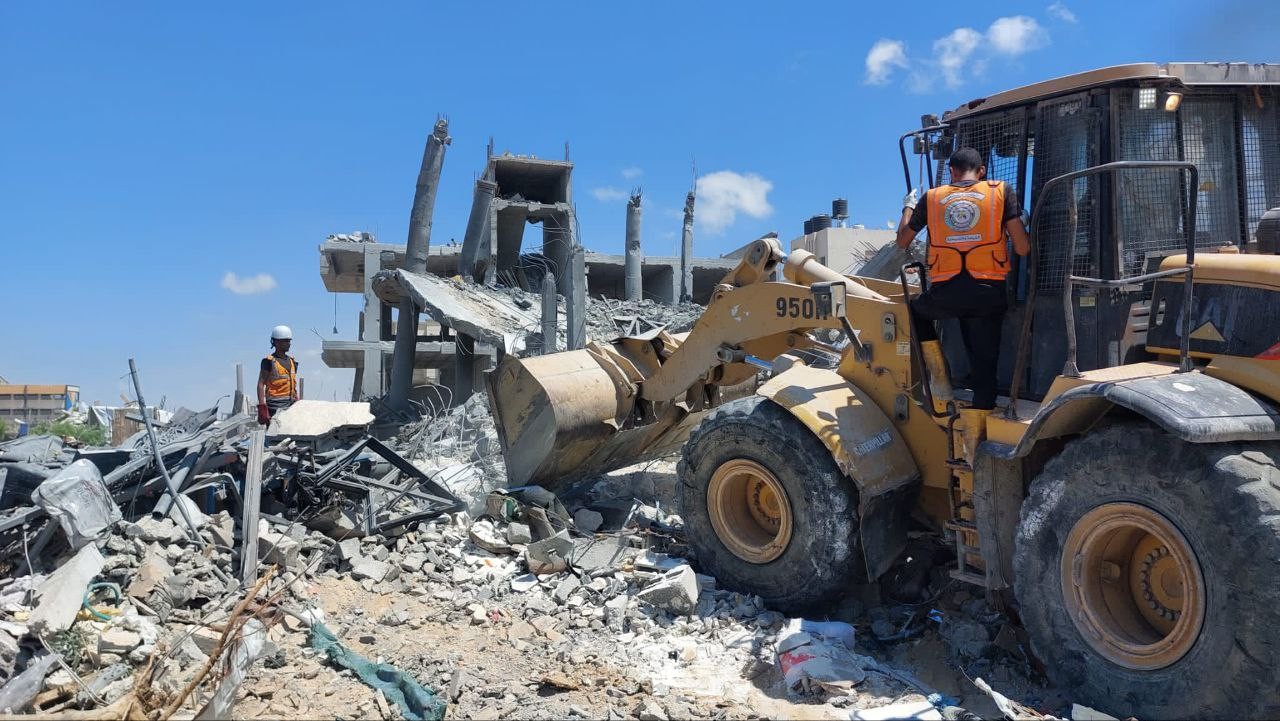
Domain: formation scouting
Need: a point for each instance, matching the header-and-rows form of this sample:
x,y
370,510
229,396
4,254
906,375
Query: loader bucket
x,y
558,419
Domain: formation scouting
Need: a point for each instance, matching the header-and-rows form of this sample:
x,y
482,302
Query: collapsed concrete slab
x,y
59,597
454,305
312,419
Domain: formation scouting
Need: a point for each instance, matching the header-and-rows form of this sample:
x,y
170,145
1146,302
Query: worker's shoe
x,y
935,364
973,431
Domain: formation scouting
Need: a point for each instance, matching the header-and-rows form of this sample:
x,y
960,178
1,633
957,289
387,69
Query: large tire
x,y
821,555
1224,500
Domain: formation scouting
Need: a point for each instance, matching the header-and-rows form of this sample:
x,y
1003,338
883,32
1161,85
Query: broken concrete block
x,y
649,710
520,631
518,533
223,529
206,639
374,570
675,591
313,419
601,555
587,520
278,549
153,570
566,587
154,530
59,597
550,555
118,641
520,584
349,549
338,523
485,535
8,656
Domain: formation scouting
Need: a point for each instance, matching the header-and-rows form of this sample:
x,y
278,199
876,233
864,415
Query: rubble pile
x,y
403,580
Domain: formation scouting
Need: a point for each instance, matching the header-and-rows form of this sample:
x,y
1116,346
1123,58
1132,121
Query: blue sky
x,y
148,149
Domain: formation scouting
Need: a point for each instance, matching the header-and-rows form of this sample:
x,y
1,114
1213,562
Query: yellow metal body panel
x,y
862,440
1256,271
1260,376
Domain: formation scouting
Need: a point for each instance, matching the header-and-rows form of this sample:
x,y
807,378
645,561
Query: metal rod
x,y
155,450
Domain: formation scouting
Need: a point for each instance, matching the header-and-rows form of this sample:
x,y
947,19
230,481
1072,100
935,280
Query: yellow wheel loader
x,y
1124,496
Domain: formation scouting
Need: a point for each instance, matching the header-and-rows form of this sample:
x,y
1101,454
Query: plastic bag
x,y
77,497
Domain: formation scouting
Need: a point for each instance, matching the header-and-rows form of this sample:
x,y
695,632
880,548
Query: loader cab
x,y
1223,118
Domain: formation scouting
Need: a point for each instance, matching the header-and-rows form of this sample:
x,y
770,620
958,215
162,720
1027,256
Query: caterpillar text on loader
x,y
1125,495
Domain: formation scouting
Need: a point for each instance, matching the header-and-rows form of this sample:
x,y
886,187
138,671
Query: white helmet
x,y
281,332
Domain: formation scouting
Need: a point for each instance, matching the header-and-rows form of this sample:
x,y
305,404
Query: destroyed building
x,y
512,193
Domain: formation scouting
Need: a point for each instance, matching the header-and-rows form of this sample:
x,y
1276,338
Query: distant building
x,y
36,403
844,250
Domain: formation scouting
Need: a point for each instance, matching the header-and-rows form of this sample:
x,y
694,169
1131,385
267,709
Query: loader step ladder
x,y
963,530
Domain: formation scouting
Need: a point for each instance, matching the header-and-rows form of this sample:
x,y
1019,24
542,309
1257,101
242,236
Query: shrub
x,y
89,435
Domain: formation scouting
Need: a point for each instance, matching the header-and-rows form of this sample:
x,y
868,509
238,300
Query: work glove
x,y
911,199
264,415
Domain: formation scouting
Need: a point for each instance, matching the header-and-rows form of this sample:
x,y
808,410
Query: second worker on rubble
x,y
277,377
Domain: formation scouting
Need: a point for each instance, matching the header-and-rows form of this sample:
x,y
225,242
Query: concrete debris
x,y
676,591
59,597
550,555
313,419
520,603
587,520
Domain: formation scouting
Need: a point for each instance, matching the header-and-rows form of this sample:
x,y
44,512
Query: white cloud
x,y
883,58
248,285
953,51
891,224
609,194
1016,35
961,54
1061,12
724,194
632,173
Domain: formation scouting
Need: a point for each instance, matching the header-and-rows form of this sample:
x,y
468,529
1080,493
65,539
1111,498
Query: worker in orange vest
x,y
968,221
278,377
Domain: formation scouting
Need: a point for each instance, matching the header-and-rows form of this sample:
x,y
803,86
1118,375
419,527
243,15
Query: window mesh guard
x,y
1069,219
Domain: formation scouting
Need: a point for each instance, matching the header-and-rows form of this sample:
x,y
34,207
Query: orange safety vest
x,y
966,231
282,381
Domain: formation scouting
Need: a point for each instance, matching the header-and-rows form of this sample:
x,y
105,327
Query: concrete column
x,y
475,243
424,199
557,244
686,252
369,382
550,313
633,281
576,298
402,357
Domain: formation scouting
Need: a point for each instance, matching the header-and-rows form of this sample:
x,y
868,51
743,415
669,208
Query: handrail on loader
x,y
1070,368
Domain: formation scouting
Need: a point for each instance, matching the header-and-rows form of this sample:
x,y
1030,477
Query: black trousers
x,y
275,405
979,305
